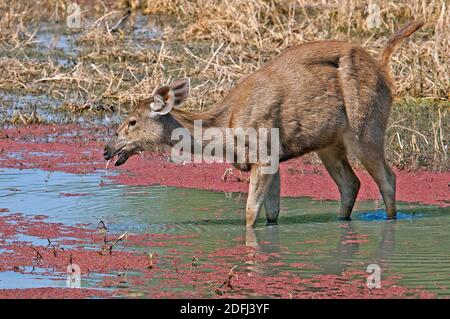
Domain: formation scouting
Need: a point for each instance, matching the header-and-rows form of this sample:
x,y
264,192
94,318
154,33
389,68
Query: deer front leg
x,y
258,189
272,201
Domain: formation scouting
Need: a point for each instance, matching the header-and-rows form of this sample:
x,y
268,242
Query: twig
x,y
119,23
193,264
227,282
150,257
102,230
55,252
110,247
229,172
38,254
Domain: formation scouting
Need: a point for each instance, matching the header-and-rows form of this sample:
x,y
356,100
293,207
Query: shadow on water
x,y
340,257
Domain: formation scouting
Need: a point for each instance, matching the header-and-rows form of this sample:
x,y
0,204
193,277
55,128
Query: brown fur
x,y
328,97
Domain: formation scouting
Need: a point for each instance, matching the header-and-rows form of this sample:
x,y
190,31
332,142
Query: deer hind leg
x,y
259,187
336,162
272,200
372,157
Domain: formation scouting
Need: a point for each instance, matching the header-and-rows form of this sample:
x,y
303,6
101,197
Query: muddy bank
x,y
78,149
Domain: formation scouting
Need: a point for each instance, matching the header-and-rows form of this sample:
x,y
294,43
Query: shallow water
x,y
415,247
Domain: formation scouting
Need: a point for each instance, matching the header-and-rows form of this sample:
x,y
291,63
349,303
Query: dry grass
x,y
217,42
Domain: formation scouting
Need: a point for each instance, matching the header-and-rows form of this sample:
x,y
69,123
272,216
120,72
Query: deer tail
x,y
395,40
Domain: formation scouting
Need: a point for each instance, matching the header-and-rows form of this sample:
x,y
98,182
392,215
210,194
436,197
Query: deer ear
x,y
162,101
168,96
180,90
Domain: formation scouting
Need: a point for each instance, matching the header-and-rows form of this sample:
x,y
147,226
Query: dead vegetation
x,y
107,249
226,285
150,259
126,48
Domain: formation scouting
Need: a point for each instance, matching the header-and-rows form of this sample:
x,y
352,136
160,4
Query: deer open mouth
x,y
119,156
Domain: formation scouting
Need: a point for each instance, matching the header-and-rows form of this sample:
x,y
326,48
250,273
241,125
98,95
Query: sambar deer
x,y
327,97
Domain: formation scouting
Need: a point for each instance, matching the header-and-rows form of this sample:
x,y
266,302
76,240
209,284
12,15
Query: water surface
x,y
415,247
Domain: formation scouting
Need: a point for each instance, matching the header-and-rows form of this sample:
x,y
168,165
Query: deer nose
x,y
106,154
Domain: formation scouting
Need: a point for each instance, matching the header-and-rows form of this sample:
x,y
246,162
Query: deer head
x,y
149,126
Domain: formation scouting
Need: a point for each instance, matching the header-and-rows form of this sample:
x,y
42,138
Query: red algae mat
x,y
76,149
52,293
237,272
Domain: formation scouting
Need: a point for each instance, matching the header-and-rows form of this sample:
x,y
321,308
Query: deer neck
x,y
193,122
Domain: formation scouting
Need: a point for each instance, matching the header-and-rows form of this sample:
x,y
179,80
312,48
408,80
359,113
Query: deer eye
x,y
132,122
